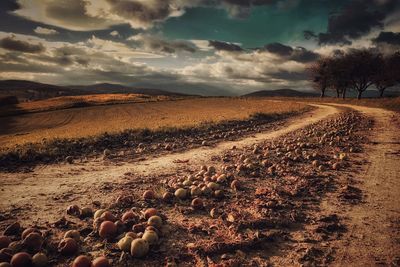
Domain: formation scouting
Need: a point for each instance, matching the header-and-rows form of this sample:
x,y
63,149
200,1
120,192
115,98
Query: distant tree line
x,y
357,69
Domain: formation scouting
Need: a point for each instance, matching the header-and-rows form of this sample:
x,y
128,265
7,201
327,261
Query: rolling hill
x,y
281,92
30,91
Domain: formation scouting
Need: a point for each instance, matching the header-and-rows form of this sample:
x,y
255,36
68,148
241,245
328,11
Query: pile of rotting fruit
x,y
228,214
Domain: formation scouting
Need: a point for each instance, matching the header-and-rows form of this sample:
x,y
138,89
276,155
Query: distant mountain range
x,y
281,92
28,91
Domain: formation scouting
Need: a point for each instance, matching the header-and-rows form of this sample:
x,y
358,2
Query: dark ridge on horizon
x,y
29,90
281,92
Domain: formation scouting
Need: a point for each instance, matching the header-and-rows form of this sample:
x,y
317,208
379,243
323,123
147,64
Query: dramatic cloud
x,y
354,20
13,44
388,38
299,54
45,31
68,14
224,46
85,15
278,48
157,44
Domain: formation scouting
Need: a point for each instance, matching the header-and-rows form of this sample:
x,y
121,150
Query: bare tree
x,y
388,72
319,74
361,65
339,75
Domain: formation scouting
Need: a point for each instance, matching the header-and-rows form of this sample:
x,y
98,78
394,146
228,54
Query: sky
x,y
208,47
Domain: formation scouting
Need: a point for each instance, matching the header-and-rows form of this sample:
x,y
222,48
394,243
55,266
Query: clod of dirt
x,y
12,229
351,194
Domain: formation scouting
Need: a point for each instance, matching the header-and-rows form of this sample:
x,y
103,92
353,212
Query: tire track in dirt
x,y
373,226
34,190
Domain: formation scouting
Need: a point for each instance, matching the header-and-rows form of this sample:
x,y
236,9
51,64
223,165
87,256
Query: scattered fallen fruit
x,y
82,261
107,230
167,196
28,231
197,203
155,221
21,259
40,260
148,194
33,241
73,234
73,210
101,262
235,185
108,216
4,241
139,248
6,254
68,246
181,193
129,216
150,212
125,243
150,236
86,212
98,213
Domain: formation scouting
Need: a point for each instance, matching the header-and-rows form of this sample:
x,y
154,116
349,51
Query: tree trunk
x,y
344,93
322,93
381,92
337,93
359,95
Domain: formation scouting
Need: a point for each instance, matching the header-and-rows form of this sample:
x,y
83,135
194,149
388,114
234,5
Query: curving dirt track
x,y
372,235
66,179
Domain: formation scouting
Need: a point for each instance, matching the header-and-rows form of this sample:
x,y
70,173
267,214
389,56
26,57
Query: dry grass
x,y
95,120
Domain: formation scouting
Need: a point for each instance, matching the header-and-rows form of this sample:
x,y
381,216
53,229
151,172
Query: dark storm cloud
x,y
354,20
392,38
73,13
9,5
160,10
299,54
289,76
158,44
279,49
13,44
224,46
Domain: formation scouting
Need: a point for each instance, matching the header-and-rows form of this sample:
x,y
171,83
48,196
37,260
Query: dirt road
x,y
66,179
372,235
